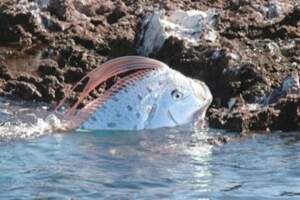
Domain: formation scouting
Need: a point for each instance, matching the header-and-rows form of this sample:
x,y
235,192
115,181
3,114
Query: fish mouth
x,y
205,101
199,116
172,118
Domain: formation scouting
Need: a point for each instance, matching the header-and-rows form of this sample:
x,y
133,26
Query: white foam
x,y
20,121
13,130
190,26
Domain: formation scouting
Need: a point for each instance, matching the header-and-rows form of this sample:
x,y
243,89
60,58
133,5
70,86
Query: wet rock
x,y
51,89
290,85
191,27
104,8
30,79
119,11
49,67
243,80
62,9
2,87
289,113
19,22
236,4
24,90
241,120
73,75
4,73
279,111
244,50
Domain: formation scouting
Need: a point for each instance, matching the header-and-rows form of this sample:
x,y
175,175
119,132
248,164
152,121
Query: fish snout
x,y
203,93
204,97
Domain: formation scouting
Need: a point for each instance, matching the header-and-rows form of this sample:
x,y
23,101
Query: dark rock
x,y
24,90
73,74
49,67
254,53
289,113
87,42
241,120
84,8
118,12
121,46
243,80
4,74
104,8
51,89
62,9
29,78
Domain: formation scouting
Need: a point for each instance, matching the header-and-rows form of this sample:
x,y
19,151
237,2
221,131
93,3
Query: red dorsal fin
x,y
106,71
83,114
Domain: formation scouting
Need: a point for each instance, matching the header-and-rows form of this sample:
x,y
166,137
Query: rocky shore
x,y
248,52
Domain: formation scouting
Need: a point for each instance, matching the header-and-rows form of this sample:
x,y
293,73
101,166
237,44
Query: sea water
x,y
181,163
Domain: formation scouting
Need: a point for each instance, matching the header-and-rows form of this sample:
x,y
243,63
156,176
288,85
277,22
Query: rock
x,y
29,78
290,85
49,67
289,113
246,51
73,74
191,27
62,9
4,74
24,90
104,8
243,80
51,88
118,12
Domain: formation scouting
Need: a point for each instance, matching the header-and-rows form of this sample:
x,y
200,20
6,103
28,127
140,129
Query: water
x,y
181,163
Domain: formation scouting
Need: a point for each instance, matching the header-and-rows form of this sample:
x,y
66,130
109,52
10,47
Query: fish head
x,y
183,101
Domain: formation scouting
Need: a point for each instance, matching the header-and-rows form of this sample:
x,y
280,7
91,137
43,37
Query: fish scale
x,y
129,97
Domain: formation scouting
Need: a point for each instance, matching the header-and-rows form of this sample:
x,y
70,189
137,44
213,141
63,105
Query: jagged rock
x,y
118,12
51,88
29,78
4,74
73,74
244,50
49,67
289,113
24,90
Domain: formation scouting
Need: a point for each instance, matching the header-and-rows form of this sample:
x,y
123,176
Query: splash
x,y
24,120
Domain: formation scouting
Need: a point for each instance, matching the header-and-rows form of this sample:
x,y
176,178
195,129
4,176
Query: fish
x,y
152,96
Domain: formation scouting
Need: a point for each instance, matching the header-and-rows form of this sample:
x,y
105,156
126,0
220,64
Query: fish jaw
x,y
205,98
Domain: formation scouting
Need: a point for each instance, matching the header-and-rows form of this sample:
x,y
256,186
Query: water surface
x,y
183,163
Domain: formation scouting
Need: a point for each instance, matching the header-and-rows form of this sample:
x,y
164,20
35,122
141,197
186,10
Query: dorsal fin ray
x,y
83,114
106,71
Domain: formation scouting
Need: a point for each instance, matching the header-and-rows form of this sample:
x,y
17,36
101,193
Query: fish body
x,y
147,99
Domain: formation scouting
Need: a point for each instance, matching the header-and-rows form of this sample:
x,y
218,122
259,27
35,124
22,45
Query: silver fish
x,y
151,97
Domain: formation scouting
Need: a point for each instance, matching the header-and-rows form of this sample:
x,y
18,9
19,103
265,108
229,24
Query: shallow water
x,y
181,163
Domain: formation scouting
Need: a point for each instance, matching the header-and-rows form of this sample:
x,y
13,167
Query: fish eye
x,y
176,95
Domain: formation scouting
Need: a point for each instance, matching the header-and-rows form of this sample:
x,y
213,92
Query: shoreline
x,y
252,67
